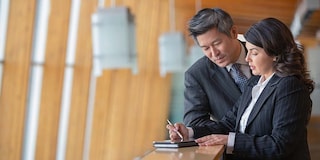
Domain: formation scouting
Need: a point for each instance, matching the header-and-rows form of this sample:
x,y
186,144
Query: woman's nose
x,y
247,57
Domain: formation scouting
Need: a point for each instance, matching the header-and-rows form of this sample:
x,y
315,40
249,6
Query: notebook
x,y
170,144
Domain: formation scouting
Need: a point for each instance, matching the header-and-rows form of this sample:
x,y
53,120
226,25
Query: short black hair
x,y
209,18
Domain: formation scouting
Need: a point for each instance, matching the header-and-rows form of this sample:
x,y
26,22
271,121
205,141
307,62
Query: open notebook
x,y
170,144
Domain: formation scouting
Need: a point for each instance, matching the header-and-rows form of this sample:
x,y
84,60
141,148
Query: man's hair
x,y
209,18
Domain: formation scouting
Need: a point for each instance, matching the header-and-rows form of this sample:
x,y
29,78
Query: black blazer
x,y
210,91
277,125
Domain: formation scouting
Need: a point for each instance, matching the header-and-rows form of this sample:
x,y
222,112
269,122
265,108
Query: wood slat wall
x,y
130,108
15,78
53,76
81,83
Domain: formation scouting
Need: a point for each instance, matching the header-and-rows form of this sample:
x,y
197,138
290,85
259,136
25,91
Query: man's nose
x,y
214,51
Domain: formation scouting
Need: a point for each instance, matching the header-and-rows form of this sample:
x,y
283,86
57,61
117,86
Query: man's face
x,y
219,48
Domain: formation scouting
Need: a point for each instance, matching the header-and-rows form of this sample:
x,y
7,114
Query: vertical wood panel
x,y
133,117
151,23
118,114
149,30
53,79
81,81
100,129
15,78
134,104
184,12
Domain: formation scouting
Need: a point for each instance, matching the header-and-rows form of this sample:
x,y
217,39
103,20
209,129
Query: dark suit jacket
x,y
208,89
277,125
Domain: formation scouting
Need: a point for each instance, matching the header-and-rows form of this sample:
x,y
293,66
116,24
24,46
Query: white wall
x,y
314,65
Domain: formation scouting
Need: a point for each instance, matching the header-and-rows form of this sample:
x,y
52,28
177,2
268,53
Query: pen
x,y
179,134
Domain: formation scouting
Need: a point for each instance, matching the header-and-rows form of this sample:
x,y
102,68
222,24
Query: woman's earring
x,y
275,59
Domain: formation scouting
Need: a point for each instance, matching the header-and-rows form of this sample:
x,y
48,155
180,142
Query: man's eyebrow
x,y
213,41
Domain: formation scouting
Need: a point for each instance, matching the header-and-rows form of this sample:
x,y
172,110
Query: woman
x,y
269,121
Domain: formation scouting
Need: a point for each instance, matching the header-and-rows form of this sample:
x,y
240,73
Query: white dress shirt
x,y
244,67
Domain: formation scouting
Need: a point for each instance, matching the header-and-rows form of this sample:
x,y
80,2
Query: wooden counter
x,y
186,153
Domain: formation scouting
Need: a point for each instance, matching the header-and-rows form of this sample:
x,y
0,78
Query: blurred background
x,y
58,100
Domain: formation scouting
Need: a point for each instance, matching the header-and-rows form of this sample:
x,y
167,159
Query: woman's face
x,y
260,63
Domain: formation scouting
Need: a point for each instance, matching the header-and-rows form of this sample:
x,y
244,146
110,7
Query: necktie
x,y
239,77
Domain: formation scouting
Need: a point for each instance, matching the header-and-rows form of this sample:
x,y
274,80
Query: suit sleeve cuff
x,y
230,144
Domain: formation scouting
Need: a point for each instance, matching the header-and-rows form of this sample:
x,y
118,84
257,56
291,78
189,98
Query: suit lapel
x,y
268,90
223,79
246,99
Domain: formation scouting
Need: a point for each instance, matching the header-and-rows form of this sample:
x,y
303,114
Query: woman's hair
x,y
277,40
209,18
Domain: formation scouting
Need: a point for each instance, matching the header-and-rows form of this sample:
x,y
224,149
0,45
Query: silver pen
x,y
179,134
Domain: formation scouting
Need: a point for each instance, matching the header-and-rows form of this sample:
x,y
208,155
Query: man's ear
x,y
234,32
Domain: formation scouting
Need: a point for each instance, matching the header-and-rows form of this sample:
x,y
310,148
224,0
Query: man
x,y
210,89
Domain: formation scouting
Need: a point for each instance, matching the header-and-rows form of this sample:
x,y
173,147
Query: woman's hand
x,y
213,139
174,129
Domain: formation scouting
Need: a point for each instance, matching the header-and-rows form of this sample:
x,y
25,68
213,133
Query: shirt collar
x,y
241,59
264,83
